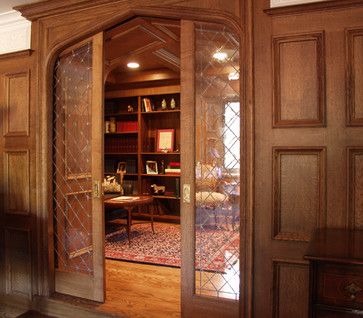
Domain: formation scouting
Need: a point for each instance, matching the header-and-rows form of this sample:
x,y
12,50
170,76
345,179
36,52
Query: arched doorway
x,y
214,86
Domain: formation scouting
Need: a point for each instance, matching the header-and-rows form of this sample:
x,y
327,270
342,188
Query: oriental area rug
x,y
163,247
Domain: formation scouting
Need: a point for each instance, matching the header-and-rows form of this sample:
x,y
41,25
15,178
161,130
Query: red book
x,y
174,164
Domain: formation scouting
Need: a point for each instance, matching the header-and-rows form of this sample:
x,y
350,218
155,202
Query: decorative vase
x,y
172,103
163,104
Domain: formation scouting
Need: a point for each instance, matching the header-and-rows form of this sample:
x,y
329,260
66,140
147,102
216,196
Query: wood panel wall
x,y
17,175
308,143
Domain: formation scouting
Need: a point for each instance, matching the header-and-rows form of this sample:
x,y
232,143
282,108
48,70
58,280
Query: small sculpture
x,y
121,170
130,109
157,189
172,103
163,104
111,185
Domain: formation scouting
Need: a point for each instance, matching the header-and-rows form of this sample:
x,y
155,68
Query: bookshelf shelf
x,y
136,147
160,153
166,175
158,112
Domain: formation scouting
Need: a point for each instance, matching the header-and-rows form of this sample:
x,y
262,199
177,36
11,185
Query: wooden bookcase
x,y
134,143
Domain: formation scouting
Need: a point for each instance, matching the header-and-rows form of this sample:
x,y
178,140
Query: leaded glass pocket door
x,y
210,159
77,169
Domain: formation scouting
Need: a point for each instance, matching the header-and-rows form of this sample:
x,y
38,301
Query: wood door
x,y
77,171
210,159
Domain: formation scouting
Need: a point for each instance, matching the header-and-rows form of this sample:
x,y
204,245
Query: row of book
x,y
127,126
173,168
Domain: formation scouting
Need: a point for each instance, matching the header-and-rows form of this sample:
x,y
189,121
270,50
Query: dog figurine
x,y
157,189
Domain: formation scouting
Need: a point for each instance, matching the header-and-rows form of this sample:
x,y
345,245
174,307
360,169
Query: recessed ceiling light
x,y
133,65
220,56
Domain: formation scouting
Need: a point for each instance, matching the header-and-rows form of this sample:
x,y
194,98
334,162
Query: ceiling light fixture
x,y
133,65
220,56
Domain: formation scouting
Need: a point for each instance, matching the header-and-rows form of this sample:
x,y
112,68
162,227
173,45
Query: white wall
x,y
281,3
15,32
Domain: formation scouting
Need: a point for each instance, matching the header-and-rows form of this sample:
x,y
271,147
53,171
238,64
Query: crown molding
x,y
15,32
16,54
37,10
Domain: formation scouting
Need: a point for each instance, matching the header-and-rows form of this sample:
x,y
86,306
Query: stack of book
x,y
173,168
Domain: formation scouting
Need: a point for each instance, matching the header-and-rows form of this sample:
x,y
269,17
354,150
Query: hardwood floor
x,y
138,290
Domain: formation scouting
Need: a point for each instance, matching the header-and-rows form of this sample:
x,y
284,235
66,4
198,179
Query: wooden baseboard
x,y
48,306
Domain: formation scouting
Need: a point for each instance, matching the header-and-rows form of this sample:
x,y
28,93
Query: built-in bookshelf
x,y
132,127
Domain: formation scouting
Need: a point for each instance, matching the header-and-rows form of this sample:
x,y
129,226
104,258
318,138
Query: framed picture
x,y
151,167
165,140
121,166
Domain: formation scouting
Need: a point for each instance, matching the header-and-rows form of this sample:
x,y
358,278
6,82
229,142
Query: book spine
x,y
169,170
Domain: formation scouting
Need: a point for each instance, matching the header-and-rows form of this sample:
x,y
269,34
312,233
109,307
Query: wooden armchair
x,y
210,197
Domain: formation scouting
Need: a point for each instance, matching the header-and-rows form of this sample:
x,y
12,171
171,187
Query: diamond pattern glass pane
x,y
217,171
72,179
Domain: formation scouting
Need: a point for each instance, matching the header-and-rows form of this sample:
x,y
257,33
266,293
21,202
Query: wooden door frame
x,y
47,56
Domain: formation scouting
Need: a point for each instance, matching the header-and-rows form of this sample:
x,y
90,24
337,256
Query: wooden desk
x,y
128,203
336,273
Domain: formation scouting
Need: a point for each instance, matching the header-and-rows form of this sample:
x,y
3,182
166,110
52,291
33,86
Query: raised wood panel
x,y
355,187
299,81
16,182
290,289
354,77
298,192
17,262
16,110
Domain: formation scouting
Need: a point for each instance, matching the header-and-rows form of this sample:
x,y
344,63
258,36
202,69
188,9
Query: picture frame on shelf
x,y
165,140
121,166
151,167
147,105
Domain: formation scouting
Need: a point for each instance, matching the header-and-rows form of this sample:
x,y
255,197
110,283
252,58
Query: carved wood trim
x,y
6,180
320,221
318,38
7,108
351,34
47,56
276,266
352,152
170,89
16,54
157,8
38,10
311,7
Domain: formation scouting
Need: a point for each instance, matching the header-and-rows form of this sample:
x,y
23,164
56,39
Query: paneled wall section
x,y
299,80
17,172
309,144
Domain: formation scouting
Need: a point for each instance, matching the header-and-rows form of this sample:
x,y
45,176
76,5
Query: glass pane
x,y
72,179
217,160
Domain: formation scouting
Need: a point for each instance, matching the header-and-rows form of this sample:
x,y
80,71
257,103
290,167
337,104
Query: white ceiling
x,y
7,5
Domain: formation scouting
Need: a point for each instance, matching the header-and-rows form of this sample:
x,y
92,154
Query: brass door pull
x,y
96,189
353,289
